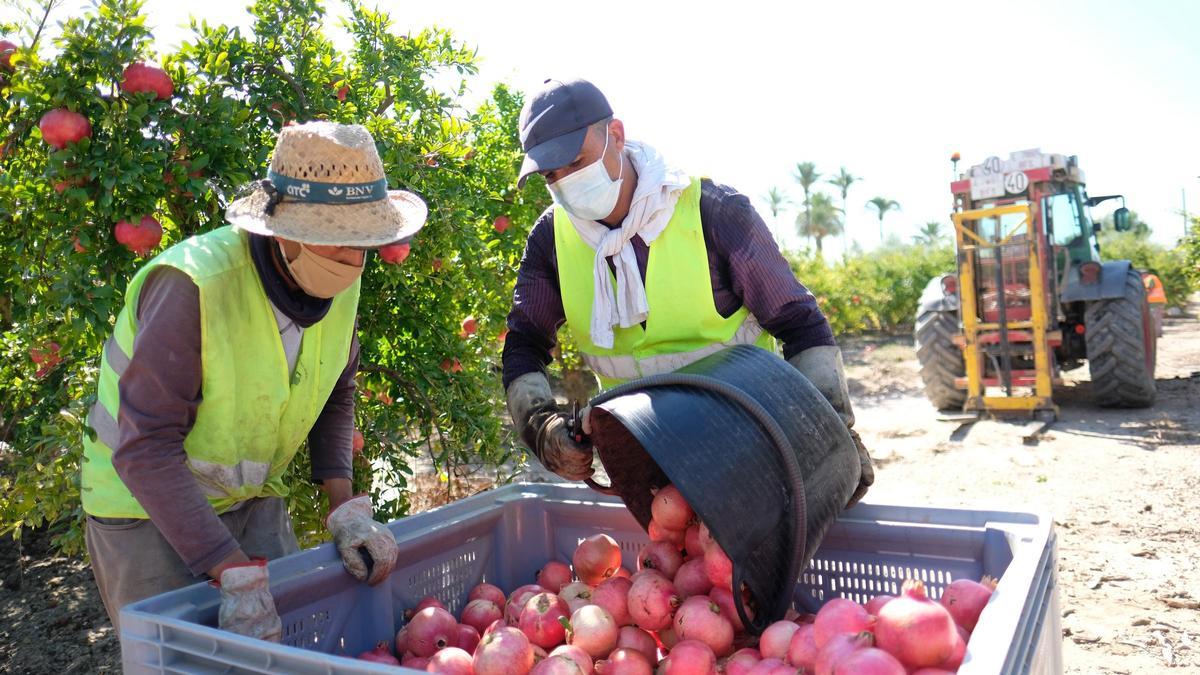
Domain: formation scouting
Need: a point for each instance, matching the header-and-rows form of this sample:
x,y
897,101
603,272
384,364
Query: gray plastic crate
x,y
504,536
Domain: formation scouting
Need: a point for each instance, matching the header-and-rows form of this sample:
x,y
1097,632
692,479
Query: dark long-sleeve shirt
x,y
745,267
160,393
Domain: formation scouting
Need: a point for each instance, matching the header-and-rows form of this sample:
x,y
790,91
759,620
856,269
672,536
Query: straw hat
x,y
326,186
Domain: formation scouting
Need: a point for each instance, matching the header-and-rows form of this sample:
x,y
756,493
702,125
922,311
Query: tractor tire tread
x,y
941,360
1116,349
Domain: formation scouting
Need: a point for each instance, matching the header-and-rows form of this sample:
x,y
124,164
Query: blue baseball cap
x,y
555,121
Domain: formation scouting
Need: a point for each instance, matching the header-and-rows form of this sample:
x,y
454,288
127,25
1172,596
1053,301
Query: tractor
x,y
1031,296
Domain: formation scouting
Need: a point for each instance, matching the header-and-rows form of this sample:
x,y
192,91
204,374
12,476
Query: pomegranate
x,y
516,602
773,667
671,510
424,603
699,618
802,650
576,594
724,598
932,671
915,629
659,533
394,254
558,665
613,595
141,238
597,558
415,662
776,639
691,579
140,77
838,648
402,640
498,623
381,654
437,262
741,662
624,572
652,600
689,657
451,365
501,223
870,661
468,638
839,615
480,614
488,592
662,556
451,661
469,326
432,628
705,538
7,47
342,91
357,442
61,127
594,631
576,654
540,620
965,600
960,650
625,661
506,651
718,567
691,542
555,574
876,603
632,637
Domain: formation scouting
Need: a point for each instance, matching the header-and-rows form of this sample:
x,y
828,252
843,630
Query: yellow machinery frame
x,y
969,244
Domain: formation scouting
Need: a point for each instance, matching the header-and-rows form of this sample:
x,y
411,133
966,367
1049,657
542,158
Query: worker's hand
x,y
247,607
867,477
358,536
557,450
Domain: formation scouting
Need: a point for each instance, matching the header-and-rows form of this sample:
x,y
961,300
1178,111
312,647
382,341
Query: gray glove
x,y
545,429
247,607
823,367
357,535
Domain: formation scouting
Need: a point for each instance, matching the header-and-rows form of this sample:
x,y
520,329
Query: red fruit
x,y
671,510
6,51
451,661
652,600
402,640
558,665
415,662
659,533
504,652
965,600
876,603
61,127
425,603
724,599
357,442
79,248
468,638
394,254
691,542
772,667
497,624
662,556
488,592
689,657
576,654
469,325
915,629
705,538
503,335
699,618
960,650
776,639
932,671
555,574
870,661
742,661
624,572
691,579
839,648
480,613
432,628
576,594
802,650
342,91
140,77
718,567
451,365
625,662
613,596
540,620
594,631
597,558
516,602
501,224
839,615
437,264
380,654
632,637
141,238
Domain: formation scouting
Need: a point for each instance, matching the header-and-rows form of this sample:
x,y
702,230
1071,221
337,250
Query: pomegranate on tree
x,y
597,558
469,325
7,47
501,224
140,77
357,442
141,238
61,127
394,254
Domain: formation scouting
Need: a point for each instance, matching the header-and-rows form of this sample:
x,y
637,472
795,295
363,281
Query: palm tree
x,y
882,206
776,199
843,181
806,175
821,220
930,234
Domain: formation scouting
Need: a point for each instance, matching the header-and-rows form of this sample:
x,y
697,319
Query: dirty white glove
x,y
823,367
247,607
546,429
357,535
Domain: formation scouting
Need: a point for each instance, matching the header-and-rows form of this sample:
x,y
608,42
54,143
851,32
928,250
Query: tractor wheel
x,y
1121,347
941,359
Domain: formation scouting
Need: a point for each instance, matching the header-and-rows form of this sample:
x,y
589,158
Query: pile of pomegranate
x,y
676,616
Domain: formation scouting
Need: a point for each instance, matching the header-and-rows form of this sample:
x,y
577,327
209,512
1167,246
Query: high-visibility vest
x,y
1154,289
253,415
683,325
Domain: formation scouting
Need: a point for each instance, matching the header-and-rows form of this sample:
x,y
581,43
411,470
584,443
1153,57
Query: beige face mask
x,y
319,276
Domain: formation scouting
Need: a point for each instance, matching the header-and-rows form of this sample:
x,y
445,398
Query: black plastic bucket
x,y
755,449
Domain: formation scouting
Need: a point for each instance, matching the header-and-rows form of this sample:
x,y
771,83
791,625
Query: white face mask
x,y
589,193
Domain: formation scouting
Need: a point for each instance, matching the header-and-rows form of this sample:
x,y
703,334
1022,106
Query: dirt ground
x,y
1121,485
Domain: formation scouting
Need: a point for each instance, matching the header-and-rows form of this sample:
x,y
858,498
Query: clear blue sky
x,y
741,91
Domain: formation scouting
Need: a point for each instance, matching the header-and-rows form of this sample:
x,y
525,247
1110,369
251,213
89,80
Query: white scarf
x,y
658,189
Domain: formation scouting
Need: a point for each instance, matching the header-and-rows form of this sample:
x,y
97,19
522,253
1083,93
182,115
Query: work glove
x,y
546,430
247,607
823,367
368,549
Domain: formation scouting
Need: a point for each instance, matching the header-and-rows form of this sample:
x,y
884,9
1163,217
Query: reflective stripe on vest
x,y
625,367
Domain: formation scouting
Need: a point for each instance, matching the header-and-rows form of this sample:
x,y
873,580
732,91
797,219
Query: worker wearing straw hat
x,y
233,347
